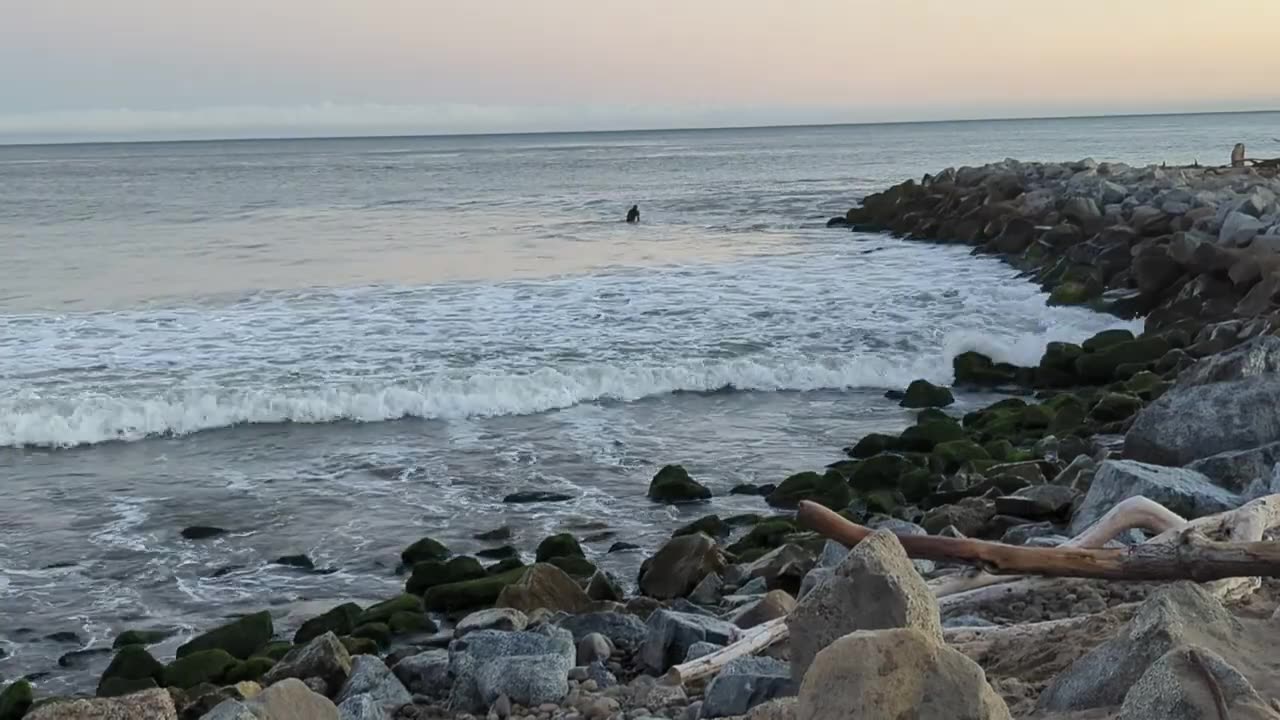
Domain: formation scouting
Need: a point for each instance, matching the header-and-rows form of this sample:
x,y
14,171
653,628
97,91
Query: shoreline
x,y
992,474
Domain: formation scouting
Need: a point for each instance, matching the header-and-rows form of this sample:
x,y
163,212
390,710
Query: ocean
x,y
335,347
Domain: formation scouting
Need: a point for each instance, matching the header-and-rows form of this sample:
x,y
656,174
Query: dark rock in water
x,y
535,496
746,682
978,370
64,637
132,663
872,445
504,565
924,394
495,535
423,550
225,570
499,553
574,566
205,666
470,594
766,535
623,547
341,620
80,659
239,638
561,545
59,565
201,532
298,561
383,611
881,472
829,489
672,484
749,489
16,700
711,525
141,637
1102,365
1106,339
895,395
599,537
838,221
427,575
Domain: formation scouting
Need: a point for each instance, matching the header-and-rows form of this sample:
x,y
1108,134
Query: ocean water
x,y
335,347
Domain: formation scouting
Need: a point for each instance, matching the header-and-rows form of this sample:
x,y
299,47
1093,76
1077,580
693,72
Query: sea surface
x,y
335,347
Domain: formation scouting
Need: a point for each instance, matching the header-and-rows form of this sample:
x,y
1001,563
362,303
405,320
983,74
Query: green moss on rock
x,y
378,632
131,663
277,650
574,566
406,623
423,550
972,368
471,594
924,436
829,489
1001,450
249,670
117,687
672,484
141,637
872,445
951,456
1102,366
205,666
924,394
1058,365
880,472
766,535
383,611
359,646
504,566
711,525
561,545
1115,406
239,638
16,699
1106,339
1071,293
340,620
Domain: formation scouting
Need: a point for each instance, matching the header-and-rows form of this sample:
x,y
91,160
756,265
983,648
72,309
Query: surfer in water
x,y
633,215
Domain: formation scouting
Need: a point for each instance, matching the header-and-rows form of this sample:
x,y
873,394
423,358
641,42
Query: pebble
x,y
548,708
590,686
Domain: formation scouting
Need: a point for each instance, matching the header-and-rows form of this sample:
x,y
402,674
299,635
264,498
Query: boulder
x,y
1257,357
141,637
340,620
530,667
744,683
710,524
1239,229
1191,423
426,673
430,573
562,545
978,370
544,586
1185,492
1180,614
774,604
508,619
896,673
423,550
291,699
382,612
830,489
874,587
206,666
924,394
1237,469
970,516
239,638
533,496
624,630
153,704
1174,688
594,648
361,707
1113,407
1101,366
15,700
708,591
669,635
471,594
250,670
602,587
781,568
672,484
370,677
880,472
324,657
680,565
132,663
1038,502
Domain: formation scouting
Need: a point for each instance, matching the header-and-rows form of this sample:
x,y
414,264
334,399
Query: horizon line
x,y
535,133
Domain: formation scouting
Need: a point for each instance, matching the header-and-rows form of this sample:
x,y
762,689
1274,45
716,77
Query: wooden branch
x,y
1201,561
751,642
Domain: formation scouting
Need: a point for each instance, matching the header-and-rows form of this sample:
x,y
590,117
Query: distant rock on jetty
x,y
1191,245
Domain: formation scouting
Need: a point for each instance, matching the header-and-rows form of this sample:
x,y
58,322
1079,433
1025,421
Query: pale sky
x,y
90,69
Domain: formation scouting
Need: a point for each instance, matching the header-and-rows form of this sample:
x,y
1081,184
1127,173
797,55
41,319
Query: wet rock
x,y
602,586
382,612
291,699
896,673
340,620
324,657
147,705
1181,614
250,670
1174,687
426,673
471,594
534,496
302,562
15,700
875,587
141,637
745,683
711,525
544,586
830,489
239,638
206,666
670,634
672,484
202,532
1185,492
622,547
132,663
495,535
1102,365
371,678
424,550
561,545
626,631
680,565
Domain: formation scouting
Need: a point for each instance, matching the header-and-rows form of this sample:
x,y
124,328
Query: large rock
x,y
781,568
340,620
744,683
1183,491
680,565
371,677
1175,688
508,619
1237,469
206,666
291,699
873,588
147,705
361,707
670,634
1190,423
132,664
324,657
1259,356
924,394
15,700
530,667
426,673
544,586
672,484
624,630
775,604
895,674
1181,614
240,638
830,489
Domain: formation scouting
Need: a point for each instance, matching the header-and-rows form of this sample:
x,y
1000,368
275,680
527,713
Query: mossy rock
x,y
141,637
1071,293
499,553
829,489
407,623
1036,417
358,646
574,566
872,445
423,550
383,611
917,484
16,700
204,666
427,575
277,650
340,620
1058,365
951,456
672,484
766,535
504,566
924,436
131,663
471,594
239,638
880,472
1001,450
933,415
884,502
976,369
249,670
711,525
924,394
743,519
1106,339
117,687
378,632
1113,407
561,545
1102,366
1147,385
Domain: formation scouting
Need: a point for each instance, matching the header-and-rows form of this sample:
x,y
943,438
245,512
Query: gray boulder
x,y
680,565
529,680
897,527
530,667
600,674
875,587
1190,423
370,677
324,657
1181,614
1257,357
360,707
425,673
508,619
1183,491
745,683
626,631
1238,469
1175,687
155,704
594,647
291,699
1238,229
708,590
230,709
783,567
671,634
773,605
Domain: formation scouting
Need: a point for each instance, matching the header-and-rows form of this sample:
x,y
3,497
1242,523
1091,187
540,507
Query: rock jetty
x,y
1183,414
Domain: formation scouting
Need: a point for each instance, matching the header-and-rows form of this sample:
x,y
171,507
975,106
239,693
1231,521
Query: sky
x,y
159,69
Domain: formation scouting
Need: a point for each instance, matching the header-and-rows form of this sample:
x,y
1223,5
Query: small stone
x,y
501,707
594,647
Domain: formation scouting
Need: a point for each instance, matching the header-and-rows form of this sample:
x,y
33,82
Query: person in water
x,y
633,215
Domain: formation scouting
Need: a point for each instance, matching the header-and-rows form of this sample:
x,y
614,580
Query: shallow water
x,y
336,347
